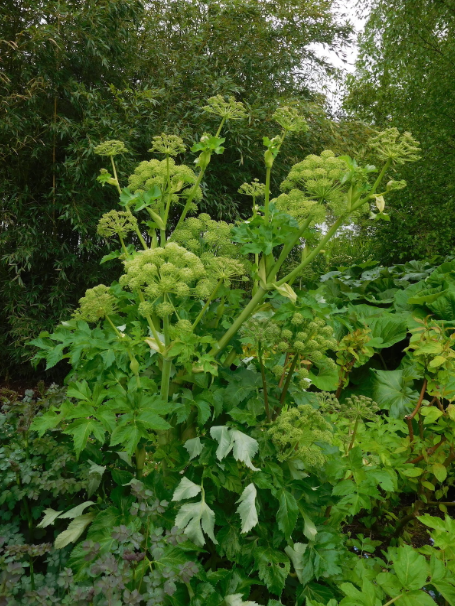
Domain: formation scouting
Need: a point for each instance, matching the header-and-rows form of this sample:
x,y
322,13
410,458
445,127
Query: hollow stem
x,y
257,298
167,363
288,378
264,383
209,300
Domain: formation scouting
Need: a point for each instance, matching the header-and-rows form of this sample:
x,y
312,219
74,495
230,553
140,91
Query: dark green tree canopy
x,y
75,73
405,78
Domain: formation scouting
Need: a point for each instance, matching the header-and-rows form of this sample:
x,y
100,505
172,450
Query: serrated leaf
x,y
247,508
244,448
77,511
392,391
222,435
447,590
186,490
411,568
74,531
81,430
194,447
296,555
193,518
50,515
273,567
203,411
287,513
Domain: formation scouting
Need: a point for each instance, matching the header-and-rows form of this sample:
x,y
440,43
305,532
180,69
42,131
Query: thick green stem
x,y
167,363
113,326
140,460
393,600
288,378
123,246
267,193
137,230
117,184
209,300
150,323
313,253
230,358
246,313
191,195
264,384
218,132
288,247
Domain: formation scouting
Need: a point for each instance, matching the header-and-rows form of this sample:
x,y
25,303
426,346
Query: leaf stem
x,y
264,383
288,378
247,311
209,300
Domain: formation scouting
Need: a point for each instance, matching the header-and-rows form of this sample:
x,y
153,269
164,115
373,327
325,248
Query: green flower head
x,y
170,145
399,148
290,119
296,432
97,304
118,223
231,109
253,189
110,148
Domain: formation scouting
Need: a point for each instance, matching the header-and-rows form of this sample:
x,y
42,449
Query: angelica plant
x,y
194,368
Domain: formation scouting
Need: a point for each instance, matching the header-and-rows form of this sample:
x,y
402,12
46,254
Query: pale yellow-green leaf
x,y
50,515
74,530
440,471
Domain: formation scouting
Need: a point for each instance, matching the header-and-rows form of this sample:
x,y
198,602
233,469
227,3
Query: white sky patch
x,y
345,59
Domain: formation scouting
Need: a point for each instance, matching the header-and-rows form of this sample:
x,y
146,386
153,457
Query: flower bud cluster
x,y
253,189
399,148
231,109
154,172
97,304
320,178
290,119
296,432
170,145
161,271
118,223
297,204
311,338
263,331
205,237
110,148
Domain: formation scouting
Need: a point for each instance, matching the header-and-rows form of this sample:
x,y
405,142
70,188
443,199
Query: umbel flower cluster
x,y
158,272
118,223
296,434
206,238
309,338
98,303
319,177
170,177
352,408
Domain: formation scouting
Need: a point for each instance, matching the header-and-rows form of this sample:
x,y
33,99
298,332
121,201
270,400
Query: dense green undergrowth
x,y
225,437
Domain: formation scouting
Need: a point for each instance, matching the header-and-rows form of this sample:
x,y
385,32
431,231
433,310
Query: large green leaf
x,y
74,530
391,329
247,508
411,568
287,513
444,306
193,518
392,390
273,568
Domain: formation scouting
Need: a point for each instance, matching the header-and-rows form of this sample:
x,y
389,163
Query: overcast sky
x,y
347,64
